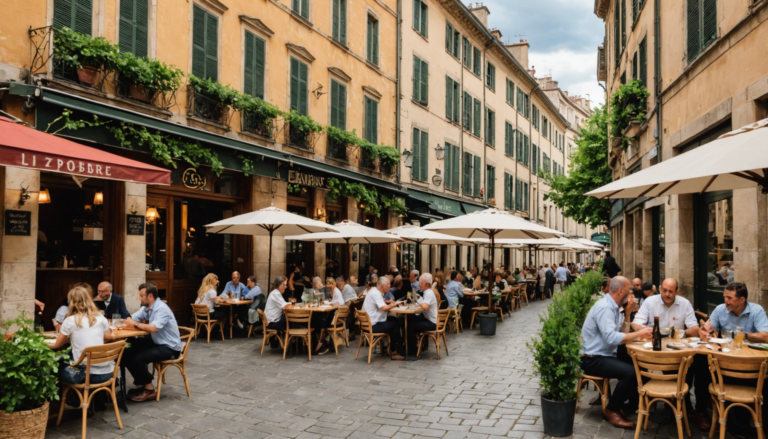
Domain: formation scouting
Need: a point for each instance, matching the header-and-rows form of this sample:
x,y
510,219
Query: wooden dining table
x,y
232,303
406,311
471,293
745,351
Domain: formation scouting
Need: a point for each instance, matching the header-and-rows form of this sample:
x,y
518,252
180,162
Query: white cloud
x,y
575,71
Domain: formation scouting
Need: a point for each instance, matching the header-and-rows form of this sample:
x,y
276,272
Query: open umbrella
x,y
271,221
588,243
420,236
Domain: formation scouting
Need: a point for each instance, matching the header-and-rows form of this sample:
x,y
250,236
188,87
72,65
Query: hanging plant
x,y
367,196
395,204
257,108
78,50
627,104
302,124
342,137
225,94
294,188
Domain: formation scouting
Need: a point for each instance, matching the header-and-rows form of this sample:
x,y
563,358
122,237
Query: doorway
x,y
712,248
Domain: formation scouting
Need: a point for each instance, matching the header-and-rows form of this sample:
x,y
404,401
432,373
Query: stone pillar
x,y
628,241
18,254
267,191
679,242
319,203
638,253
647,253
746,242
135,248
353,215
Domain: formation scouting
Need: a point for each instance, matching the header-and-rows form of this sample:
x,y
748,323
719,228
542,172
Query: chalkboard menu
x,y
18,223
135,225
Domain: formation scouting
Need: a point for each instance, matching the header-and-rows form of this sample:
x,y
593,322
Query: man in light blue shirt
x,y
454,289
562,275
235,286
253,289
604,329
415,281
738,312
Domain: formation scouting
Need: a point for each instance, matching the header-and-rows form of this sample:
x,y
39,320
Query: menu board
x,y
135,225
18,223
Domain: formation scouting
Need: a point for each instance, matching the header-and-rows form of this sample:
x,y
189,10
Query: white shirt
x,y
87,336
348,293
274,307
207,299
562,274
372,305
680,314
431,313
338,298
543,276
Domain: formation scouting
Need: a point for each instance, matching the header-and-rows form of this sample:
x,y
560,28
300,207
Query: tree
x,y
588,171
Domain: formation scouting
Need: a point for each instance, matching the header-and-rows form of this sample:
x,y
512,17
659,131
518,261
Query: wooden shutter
x,y
253,76
616,33
424,83
448,165
424,19
644,62
424,151
417,15
198,42
371,120
373,41
467,112
448,37
296,6
343,21
74,14
299,77
477,60
477,170
478,118
467,53
63,11
294,83
456,167
211,47
467,174
708,23
416,79
448,98
338,105
623,23
305,9
490,183
336,20
416,165
525,189
456,102
134,27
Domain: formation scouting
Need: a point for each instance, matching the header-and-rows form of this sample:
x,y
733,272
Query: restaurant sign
x,y
135,225
296,177
18,223
193,179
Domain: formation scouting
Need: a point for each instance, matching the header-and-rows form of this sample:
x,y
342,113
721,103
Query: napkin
x,y
648,345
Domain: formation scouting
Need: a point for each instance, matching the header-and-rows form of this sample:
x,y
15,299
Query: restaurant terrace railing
x,y
205,107
251,123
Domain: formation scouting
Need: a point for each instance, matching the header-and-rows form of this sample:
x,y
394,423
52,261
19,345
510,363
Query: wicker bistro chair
x,y
180,363
454,319
667,384
338,328
301,319
91,356
521,295
268,333
367,335
203,320
601,384
475,311
438,334
511,299
749,397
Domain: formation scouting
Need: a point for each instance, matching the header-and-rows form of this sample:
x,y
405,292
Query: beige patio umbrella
x,y
589,243
735,160
420,236
270,221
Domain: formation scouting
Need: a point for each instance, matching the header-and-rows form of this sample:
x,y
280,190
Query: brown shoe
x,y
145,396
398,357
701,419
617,419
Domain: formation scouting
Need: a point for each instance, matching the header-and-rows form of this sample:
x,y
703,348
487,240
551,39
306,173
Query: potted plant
x,y
556,361
144,77
257,114
628,104
28,381
85,54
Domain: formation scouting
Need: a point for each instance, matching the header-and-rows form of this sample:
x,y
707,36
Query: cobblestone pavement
x,y
485,388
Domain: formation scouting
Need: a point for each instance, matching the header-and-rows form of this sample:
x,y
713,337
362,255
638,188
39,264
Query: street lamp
x,y
440,152
408,158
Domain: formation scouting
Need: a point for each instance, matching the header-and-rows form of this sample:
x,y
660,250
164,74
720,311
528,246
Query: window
x,y
452,100
338,105
299,89
452,40
519,195
624,78
623,23
476,60
544,126
525,196
535,160
301,7
205,44
490,76
523,103
509,200
467,53
535,119
702,26
420,155
134,27
340,21
526,150
420,17
637,6
476,169
371,129
372,42
519,144
452,164
643,64
510,93
509,139
477,118
490,127
74,14
253,71
635,65
467,187
616,32
490,182
545,164
420,81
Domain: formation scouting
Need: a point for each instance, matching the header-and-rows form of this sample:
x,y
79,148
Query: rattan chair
x,y
511,299
301,319
475,311
203,320
661,377
95,355
749,397
180,363
454,319
522,293
268,333
338,328
367,335
601,384
438,334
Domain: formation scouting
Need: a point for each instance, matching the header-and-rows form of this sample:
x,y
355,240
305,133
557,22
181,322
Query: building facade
x,y
705,78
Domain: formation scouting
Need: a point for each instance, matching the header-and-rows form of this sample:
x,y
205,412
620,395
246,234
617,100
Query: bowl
x,y
695,339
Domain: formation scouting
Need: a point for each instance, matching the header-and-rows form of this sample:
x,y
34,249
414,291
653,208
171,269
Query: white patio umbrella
x,y
419,236
270,221
589,243
735,160
531,245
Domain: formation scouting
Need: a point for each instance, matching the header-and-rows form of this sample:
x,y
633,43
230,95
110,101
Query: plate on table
x,y
760,346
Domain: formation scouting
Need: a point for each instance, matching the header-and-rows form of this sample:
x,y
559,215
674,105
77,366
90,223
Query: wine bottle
x,y
656,335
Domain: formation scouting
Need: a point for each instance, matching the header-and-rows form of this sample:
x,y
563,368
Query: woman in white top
x,y
84,327
337,299
207,295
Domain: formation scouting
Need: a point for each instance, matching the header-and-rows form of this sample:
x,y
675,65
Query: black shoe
x,y
323,350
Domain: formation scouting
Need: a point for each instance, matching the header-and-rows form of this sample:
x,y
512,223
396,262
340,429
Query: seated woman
x,y
439,288
207,295
84,327
337,299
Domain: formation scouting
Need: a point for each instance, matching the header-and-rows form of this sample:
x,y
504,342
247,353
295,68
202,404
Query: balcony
x,y
205,107
253,124
602,68
337,150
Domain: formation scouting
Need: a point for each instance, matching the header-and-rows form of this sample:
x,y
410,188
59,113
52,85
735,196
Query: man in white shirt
x,y
426,321
347,292
376,309
276,304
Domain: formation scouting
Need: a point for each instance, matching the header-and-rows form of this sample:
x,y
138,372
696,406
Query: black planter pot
x,y
558,416
487,323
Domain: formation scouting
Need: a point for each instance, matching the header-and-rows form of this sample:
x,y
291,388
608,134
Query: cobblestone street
x,y
485,388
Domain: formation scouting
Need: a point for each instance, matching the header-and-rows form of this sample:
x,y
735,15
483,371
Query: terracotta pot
x,y
87,75
141,93
28,424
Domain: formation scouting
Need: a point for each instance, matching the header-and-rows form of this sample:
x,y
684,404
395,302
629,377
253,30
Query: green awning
x,y
602,238
469,208
437,203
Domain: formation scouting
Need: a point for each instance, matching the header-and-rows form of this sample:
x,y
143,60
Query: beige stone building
x,y
703,65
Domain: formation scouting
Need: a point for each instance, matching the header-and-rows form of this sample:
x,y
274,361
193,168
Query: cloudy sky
x,y
563,35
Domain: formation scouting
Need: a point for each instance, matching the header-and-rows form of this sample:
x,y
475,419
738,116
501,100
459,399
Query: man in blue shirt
x,y
250,292
605,328
454,289
235,286
415,281
163,344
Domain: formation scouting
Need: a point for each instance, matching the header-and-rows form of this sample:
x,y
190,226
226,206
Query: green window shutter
x,y
526,151
456,167
490,133
249,44
448,165
371,120
335,32
519,196
296,6
448,98
63,13
490,184
644,62
467,112
375,59
343,21
303,90
708,23
294,83
424,151
416,79
134,27
467,174
417,15
467,53
254,65
305,9
616,33
424,30
623,23
299,82
334,103
456,44
477,59
198,42
507,195
456,101
211,47
82,16
416,167
424,83
448,37
478,118
478,173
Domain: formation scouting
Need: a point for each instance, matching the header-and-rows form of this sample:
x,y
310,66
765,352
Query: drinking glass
x,y
738,338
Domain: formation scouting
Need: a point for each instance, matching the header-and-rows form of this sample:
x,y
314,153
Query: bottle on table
x,y
656,335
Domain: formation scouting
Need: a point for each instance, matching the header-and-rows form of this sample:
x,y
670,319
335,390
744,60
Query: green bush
x,y
258,108
227,95
580,295
78,50
302,124
150,73
28,368
627,104
343,137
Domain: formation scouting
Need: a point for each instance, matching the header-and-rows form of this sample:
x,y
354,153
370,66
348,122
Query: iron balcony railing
x,y
251,123
205,107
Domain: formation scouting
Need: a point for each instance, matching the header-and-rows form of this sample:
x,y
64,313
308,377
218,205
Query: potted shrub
x,y
144,77
556,361
28,381
257,115
85,54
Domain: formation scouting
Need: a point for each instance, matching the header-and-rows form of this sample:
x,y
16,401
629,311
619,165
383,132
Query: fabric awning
x,y
735,160
469,208
24,147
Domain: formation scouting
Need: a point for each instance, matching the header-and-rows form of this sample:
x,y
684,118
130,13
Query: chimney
x,y
481,12
496,33
520,52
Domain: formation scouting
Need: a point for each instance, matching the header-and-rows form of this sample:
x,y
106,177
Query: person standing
x,y
610,267
562,275
112,303
376,309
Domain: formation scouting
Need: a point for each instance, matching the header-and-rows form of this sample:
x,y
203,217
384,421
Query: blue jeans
x,y
76,375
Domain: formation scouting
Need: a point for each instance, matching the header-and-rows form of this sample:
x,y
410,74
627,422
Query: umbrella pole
x,y
269,276
349,261
490,272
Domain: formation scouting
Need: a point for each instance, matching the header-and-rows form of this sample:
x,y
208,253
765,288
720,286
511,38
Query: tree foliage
x,y
588,170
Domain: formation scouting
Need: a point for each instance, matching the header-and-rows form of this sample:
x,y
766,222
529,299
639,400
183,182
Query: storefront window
x,y
662,245
406,257
720,239
157,231
198,253
333,252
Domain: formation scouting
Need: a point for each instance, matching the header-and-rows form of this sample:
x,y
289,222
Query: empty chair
x,y
180,363
301,319
601,384
438,334
203,320
367,335
726,396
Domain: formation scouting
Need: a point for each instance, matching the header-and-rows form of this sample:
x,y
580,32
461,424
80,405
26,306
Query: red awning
x,y
24,147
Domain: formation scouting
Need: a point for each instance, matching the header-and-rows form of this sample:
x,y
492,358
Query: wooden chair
x,y
368,337
601,384
338,327
454,319
475,311
523,294
203,320
749,397
91,356
701,316
437,334
664,374
180,363
268,333
502,304
511,300
299,318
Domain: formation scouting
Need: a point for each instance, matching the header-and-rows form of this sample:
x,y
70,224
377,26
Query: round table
x,y
406,311
745,351
232,303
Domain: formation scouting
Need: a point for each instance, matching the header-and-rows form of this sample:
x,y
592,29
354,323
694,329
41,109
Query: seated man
x,y
427,320
376,309
164,342
252,292
276,304
110,303
414,280
235,286
604,330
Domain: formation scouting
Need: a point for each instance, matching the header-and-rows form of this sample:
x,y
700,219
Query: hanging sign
x,y
296,177
193,179
135,225
18,223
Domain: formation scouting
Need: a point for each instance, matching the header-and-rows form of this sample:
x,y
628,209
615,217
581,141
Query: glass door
x,y
713,248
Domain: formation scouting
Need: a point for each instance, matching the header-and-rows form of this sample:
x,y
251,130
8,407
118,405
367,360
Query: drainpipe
x,y
461,133
514,153
398,86
530,146
657,71
485,119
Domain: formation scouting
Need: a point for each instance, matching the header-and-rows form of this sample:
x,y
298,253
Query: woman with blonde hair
x,y
207,295
336,299
84,327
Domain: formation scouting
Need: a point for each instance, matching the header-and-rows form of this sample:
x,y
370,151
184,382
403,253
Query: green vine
x,y
368,197
627,104
248,168
225,94
395,204
387,155
302,124
342,137
294,188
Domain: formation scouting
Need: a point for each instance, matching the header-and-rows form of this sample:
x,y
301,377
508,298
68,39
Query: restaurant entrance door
x,y
712,248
